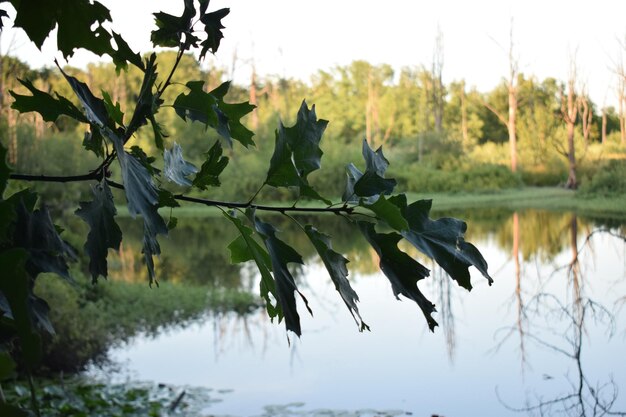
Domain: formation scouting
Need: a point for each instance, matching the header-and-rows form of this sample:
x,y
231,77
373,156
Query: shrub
x,y
607,179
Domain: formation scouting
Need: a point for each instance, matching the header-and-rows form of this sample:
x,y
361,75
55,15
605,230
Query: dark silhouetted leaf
x,y
304,139
211,110
7,366
43,103
213,29
5,171
93,141
245,248
336,265
402,271
172,28
211,168
175,168
147,104
166,199
94,107
78,23
124,54
35,232
442,240
297,153
372,182
282,171
281,254
16,286
104,233
143,199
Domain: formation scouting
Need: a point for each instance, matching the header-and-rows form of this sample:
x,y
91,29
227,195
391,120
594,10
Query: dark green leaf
x,y
104,233
16,286
282,171
166,199
213,28
96,109
79,24
442,240
93,141
175,168
388,212
76,20
7,366
371,183
282,254
172,28
336,265
402,271
297,153
211,110
43,103
35,232
7,410
145,160
5,171
304,139
245,248
124,54
143,199
37,25
211,168
147,104
114,110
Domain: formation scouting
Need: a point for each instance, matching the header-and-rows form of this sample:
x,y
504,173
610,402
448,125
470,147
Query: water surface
x,y
551,327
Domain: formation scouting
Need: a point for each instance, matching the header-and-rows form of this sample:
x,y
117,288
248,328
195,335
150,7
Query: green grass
x,y
547,198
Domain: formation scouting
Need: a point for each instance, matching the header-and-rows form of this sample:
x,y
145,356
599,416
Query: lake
x,y
549,336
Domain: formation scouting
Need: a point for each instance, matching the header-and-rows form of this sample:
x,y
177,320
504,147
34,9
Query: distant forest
x,y
438,137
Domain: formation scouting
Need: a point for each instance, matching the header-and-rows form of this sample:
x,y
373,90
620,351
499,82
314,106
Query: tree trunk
x,y
253,99
604,121
464,129
569,115
511,125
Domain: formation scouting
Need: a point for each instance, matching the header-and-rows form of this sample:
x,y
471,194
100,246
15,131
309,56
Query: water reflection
x,y
555,312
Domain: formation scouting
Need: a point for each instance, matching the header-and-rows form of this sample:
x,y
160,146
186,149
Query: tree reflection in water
x,y
563,328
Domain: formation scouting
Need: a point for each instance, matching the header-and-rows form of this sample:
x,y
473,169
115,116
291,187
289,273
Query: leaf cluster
x,y
31,244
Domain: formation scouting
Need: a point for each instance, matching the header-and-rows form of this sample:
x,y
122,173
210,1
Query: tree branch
x,y
238,205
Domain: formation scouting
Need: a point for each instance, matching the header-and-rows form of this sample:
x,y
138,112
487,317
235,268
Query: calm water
x,y
560,289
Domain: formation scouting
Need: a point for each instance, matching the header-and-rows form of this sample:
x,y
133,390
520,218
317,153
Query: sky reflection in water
x,y
499,346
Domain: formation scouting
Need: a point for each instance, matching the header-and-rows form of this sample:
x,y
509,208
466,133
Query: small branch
x,y
236,205
181,52
95,175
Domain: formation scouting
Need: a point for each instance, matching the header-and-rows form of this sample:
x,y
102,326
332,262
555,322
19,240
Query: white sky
x,y
294,38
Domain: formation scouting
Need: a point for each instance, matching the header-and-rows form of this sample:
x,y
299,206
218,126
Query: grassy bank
x,y
547,198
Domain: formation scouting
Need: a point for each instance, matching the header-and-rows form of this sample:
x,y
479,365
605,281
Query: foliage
x,y
480,178
147,176
606,179
89,319
80,397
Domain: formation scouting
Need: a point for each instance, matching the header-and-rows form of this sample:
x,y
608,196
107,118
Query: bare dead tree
x,y
437,92
569,112
510,120
586,114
